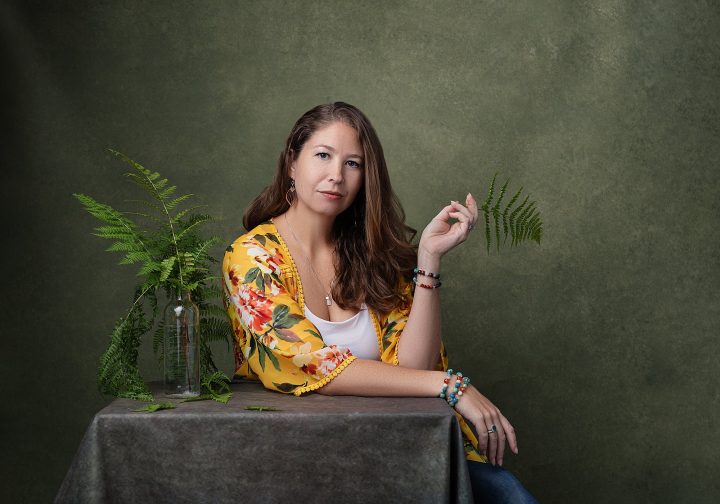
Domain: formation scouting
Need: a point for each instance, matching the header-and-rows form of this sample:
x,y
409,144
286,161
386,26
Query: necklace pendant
x,y
328,301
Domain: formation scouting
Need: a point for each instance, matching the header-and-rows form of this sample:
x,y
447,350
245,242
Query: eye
x,y
354,164
321,154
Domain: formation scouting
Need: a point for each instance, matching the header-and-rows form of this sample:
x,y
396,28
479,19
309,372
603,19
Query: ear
x,y
292,165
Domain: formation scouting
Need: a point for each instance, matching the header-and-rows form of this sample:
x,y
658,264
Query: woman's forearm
x,y
419,344
364,377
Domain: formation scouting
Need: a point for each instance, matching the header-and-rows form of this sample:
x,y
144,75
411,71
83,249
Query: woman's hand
x,y
439,236
483,414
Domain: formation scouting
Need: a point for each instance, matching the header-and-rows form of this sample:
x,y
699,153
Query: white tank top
x,y
356,333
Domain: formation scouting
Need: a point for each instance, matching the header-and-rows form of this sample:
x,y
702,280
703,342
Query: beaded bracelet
x,y
427,286
427,273
454,396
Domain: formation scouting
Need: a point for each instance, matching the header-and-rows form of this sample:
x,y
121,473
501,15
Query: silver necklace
x,y
328,298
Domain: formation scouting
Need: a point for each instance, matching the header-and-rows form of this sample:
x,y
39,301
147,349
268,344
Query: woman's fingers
x,y
500,437
463,220
510,433
492,439
483,438
472,206
470,212
444,213
462,209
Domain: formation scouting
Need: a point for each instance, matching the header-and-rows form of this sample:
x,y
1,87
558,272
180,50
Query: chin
x,y
329,210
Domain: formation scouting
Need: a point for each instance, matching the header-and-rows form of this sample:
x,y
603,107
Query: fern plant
x,y
520,223
173,258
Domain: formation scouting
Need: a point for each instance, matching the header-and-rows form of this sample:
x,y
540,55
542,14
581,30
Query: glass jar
x,y
181,347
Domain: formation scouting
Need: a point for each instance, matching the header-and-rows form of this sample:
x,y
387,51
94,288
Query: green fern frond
x,y
181,215
152,204
147,216
213,291
201,249
166,267
118,374
213,310
170,205
506,219
125,246
216,329
133,257
520,223
194,221
167,191
145,180
150,267
216,383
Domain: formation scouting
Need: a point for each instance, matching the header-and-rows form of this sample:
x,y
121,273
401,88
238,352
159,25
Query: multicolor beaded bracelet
x,y
427,273
454,396
427,286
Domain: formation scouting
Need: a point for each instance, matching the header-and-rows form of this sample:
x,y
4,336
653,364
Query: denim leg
x,y
496,485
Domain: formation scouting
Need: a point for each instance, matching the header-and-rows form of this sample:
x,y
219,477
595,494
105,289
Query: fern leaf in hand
x,y
521,223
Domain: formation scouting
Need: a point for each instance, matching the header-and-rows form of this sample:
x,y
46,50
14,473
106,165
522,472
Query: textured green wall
x,y
600,345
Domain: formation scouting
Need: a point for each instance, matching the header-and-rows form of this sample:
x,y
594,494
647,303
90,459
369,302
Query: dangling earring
x,y
289,191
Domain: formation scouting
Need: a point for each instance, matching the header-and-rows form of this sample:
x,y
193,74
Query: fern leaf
x,y
487,229
168,191
213,310
486,204
170,205
181,214
521,222
133,257
194,221
166,267
150,204
125,246
201,249
213,291
216,329
149,267
506,224
513,221
496,214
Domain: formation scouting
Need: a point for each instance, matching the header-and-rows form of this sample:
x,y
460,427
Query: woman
x,y
322,287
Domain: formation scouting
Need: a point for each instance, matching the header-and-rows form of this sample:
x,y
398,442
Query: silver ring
x,y
493,429
471,227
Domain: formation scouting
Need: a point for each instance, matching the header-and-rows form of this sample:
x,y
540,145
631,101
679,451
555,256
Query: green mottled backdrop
x,y
601,345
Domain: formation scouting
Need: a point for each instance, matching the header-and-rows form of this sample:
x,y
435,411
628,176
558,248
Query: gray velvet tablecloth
x,y
316,449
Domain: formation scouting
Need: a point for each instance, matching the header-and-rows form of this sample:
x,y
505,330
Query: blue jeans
x,y
496,485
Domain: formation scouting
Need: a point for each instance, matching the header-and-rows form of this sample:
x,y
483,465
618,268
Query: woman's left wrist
x,y
428,261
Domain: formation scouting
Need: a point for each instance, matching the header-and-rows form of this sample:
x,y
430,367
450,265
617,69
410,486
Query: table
x,y
315,449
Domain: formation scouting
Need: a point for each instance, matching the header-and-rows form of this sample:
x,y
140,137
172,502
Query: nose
x,y
336,170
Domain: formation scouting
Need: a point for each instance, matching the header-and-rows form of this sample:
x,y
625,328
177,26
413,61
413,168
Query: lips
x,y
332,193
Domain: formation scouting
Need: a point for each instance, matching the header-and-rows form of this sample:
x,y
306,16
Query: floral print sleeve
x,y
275,343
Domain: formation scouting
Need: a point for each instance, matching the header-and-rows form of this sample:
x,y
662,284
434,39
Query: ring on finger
x,y
493,429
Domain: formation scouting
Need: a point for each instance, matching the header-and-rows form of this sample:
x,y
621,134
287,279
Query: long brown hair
x,y
373,245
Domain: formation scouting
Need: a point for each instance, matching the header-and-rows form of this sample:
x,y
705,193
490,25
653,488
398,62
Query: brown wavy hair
x,y
374,253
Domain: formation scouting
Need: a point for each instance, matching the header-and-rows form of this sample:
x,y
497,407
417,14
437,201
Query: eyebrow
x,y
330,148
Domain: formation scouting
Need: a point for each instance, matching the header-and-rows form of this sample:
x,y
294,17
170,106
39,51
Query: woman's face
x,y
329,170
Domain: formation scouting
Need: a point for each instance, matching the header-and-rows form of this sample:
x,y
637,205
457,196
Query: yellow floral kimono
x,y
275,343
